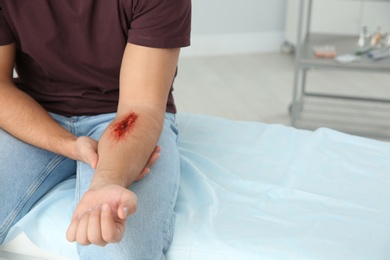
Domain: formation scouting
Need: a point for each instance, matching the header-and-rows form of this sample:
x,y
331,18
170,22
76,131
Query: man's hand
x,y
152,159
100,217
87,151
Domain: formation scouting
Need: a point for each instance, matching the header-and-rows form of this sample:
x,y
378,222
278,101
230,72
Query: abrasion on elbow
x,y
124,126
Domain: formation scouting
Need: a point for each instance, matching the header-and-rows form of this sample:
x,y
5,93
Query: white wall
x,y
349,17
231,26
340,17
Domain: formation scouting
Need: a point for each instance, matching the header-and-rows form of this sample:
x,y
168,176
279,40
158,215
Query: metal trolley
x,y
305,60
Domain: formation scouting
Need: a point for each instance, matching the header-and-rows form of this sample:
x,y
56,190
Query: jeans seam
x,y
15,212
78,178
167,231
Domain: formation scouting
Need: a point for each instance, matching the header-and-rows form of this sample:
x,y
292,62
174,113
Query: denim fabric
x,y
27,173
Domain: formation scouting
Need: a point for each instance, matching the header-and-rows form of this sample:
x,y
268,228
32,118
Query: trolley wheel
x,y
299,107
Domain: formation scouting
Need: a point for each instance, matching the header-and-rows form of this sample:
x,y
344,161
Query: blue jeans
x,y
27,173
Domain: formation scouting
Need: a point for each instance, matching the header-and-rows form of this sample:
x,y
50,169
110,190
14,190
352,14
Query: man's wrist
x,y
99,180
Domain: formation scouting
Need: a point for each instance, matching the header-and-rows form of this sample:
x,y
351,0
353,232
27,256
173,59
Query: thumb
x,y
128,205
88,150
93,160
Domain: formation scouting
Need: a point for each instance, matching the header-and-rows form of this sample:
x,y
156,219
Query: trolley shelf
x,y
305,60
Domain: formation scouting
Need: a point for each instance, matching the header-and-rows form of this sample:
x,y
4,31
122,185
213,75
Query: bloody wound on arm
x,y
121,128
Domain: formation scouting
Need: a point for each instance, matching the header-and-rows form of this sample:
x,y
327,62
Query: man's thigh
x,y
149,231
26,174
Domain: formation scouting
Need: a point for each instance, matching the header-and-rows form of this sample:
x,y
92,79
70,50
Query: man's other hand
x,y
100,217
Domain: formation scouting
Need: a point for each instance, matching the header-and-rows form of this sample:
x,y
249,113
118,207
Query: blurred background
x,y
244,63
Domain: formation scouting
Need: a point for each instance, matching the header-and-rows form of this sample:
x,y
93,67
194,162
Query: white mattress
x,y
254,191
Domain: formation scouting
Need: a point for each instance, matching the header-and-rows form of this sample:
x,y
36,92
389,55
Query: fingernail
x,y
126,211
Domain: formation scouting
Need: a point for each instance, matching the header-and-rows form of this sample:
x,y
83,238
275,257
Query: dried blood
x,y
121,128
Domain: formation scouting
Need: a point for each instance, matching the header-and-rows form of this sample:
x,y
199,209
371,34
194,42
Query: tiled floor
x,y
258,87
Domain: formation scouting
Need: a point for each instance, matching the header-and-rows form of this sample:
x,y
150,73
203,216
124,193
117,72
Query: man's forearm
x,y
145,81
126,145
24,118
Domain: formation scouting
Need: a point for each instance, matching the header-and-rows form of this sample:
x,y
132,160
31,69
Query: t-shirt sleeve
x,y
161,23
6,34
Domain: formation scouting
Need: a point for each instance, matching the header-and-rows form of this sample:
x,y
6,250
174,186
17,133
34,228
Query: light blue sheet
x,y
255,191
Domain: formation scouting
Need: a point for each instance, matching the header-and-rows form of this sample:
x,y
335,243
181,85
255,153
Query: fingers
x,y
111,232
97,226
72,230
105,223
94,230
157,149
152,160
82,229
128,206
85,228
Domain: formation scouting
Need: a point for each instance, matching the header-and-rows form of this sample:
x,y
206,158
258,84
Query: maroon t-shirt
x,y
69,52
